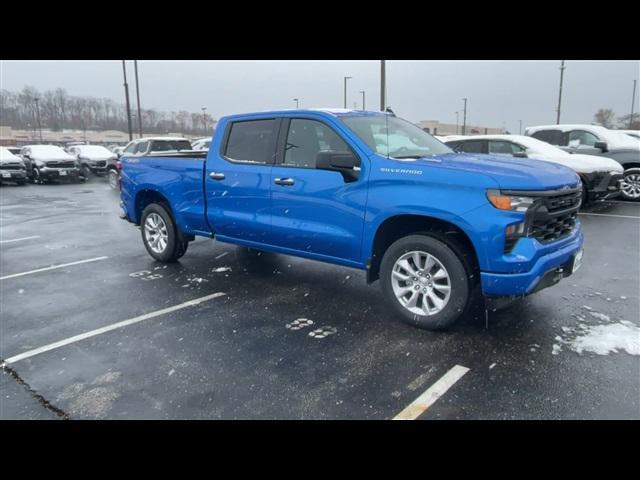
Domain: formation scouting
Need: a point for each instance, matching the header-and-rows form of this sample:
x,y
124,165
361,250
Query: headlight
x,y
511,203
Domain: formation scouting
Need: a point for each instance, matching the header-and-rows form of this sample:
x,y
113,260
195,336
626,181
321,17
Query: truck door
x,y
315,212
237,180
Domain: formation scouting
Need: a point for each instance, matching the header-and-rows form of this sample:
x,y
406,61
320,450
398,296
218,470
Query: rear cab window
x,y
251,141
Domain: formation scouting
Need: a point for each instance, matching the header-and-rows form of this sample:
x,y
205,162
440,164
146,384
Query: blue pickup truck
x,y
371,191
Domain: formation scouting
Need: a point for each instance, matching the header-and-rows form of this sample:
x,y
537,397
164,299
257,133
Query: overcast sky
x,y
500,93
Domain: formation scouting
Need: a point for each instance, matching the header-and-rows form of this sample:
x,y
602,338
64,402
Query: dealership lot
x,y
279,337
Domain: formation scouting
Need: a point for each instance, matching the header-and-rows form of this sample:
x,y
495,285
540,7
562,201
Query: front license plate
x,y
6,175
577,261
63,172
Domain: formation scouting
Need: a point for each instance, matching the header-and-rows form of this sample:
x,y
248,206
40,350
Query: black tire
x,y
585,197
459,278
635,172
176,245
85,171
112,177
35,175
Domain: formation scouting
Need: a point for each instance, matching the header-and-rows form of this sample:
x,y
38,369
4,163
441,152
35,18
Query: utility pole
x,y
345,91
457,121
562,67
297,100
464,118
126,94
135,64
38,116
363,94
383,86
204,119
633,100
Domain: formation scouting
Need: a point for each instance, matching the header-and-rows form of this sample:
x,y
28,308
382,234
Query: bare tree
x,y
605,117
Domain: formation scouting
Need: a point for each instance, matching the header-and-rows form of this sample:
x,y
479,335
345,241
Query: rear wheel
x,y
160,235
630,187
425,281
113,179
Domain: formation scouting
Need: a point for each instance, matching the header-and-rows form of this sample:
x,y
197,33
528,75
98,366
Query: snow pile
x,y
601,339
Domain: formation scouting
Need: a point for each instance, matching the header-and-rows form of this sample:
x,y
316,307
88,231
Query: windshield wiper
x,y
408,156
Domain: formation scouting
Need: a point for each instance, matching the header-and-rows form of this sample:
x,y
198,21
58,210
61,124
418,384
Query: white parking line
x,y
607,215
108,328
53,267
433,393
19,239
221,255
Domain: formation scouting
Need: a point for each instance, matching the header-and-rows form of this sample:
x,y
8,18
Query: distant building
x,y
434,127
10,136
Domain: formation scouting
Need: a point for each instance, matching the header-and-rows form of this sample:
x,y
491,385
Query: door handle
x,y
216,176
286,182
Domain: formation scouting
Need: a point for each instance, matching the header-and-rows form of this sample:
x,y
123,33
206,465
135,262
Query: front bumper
x,y
48,173
602,184
548,270
13,175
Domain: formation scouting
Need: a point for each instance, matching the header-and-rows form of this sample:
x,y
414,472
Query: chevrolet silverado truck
x,y
370,191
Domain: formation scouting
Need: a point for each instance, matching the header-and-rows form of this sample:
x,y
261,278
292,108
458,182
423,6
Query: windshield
x,y
395,137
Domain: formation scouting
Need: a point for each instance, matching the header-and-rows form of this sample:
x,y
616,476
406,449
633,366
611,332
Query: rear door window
x,y
472,146
252,141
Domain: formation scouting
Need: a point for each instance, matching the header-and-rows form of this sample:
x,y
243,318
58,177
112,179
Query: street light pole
x,y
383,86
464,118
135,64
457,121
38,117
520,133
562,67
126,94
204,119
297,100
363,98
345,91
633,100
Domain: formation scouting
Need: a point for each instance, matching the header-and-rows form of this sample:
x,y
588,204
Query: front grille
x,y
102,163
11,166
69,164
554,217
552,229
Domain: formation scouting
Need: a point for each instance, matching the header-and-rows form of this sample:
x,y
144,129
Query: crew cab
x,y
601,177
92,159
370,191
49,162
597,140
12,168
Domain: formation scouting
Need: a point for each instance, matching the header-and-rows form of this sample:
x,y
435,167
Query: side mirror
x,y
521,155
601,145
343,162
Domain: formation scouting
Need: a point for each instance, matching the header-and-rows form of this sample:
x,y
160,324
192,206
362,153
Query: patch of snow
x,y
221,269
491,366
605,339
600,316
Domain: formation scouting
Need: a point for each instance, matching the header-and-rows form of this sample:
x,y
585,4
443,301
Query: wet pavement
x,y
290,338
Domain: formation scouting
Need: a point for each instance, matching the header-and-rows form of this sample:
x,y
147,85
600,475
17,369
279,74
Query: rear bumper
x,y
548,270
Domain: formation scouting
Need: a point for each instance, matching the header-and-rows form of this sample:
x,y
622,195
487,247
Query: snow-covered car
x,y
146,145
632,133
597,140
49,162
12,168
201,144
601,177
92,159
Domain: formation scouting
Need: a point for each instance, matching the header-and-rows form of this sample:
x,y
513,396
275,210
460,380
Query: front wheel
x,y
425,281
160,234
35,176
630,187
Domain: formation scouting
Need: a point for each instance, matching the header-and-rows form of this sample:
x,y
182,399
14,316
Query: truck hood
x,y
510,173
582,163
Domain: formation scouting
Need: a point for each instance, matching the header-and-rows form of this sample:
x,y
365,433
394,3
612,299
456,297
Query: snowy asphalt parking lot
x,y
93,328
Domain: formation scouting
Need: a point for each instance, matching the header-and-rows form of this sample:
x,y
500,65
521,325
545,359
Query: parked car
x,y
431,224
601,177
632,133
144,146
49,162
92,159
201,144
12,168
597,140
